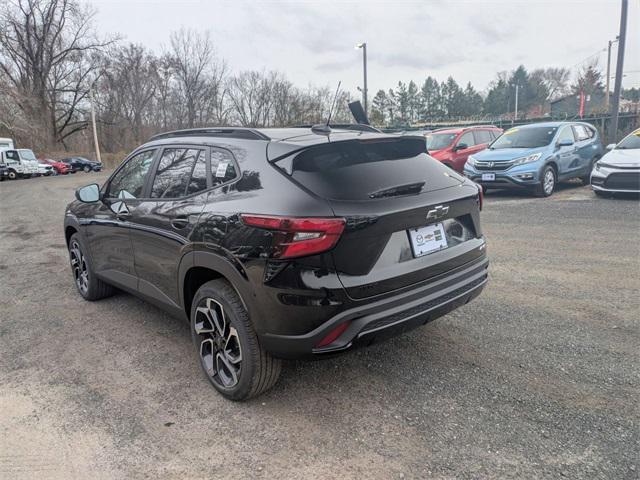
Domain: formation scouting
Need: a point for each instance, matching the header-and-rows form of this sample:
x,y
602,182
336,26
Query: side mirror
x,y
88,193
611,146
567,142
461,146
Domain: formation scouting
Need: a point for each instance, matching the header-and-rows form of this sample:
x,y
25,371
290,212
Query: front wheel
x,y
13,175
227,346
87,169
88,285
548,183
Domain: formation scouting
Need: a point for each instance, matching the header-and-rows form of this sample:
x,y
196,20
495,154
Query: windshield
x,y
27,154
440,140
525,138
630,142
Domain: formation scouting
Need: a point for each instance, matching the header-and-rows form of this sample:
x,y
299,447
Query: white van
x,y
22,163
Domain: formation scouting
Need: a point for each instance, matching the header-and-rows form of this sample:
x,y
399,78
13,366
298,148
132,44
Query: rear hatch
x,y
409,218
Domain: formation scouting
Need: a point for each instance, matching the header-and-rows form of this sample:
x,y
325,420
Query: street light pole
x,y
619,66
606,93
365,102
515,113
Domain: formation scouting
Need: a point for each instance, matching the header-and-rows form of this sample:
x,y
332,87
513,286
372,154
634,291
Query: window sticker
x,y
221,171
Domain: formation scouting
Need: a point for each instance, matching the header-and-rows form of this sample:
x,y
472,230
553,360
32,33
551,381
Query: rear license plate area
x,y
426,240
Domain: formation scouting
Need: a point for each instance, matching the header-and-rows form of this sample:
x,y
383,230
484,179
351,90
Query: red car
x,y
452,146
60,167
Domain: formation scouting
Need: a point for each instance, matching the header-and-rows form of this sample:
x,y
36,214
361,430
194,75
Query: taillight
x,y
480,196
298,237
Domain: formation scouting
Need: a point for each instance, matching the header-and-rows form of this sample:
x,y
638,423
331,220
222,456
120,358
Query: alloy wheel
x,y
549,181
79,268
219,344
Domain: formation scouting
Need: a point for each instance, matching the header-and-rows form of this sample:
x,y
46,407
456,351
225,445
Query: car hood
x,y
505,154
623,158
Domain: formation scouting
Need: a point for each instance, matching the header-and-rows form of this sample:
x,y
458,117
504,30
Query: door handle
x,y
179,223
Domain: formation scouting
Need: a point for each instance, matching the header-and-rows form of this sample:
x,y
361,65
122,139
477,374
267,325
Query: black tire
x,y
91,288
87,169
544,188
586,179
229,352
13,175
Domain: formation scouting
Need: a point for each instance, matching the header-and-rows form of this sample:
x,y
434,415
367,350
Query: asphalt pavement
x,y
537,378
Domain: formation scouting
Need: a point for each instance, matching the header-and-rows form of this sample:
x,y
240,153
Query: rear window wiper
x,y
408,189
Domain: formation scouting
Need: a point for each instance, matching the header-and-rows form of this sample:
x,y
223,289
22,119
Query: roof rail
x,y
358,127
228,132
481,125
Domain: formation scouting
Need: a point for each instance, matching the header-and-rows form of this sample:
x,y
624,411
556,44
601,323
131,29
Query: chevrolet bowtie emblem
x,y
438,212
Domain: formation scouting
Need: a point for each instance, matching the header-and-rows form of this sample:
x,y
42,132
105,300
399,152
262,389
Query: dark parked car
x,y
82,164
281,243
4,173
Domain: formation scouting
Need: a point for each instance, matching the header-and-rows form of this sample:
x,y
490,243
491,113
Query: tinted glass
x,y
630,142
129,180
483,136
368,171
437,141
174,172
467,139
198,181
12,155
525,138
222,166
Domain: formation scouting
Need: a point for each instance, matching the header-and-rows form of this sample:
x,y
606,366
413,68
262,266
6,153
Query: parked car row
x,y
23,163
536,157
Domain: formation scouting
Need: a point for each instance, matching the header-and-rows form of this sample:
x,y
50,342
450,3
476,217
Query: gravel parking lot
x,y
537,378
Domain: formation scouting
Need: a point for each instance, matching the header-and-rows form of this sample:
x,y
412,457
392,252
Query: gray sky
x,y
313,41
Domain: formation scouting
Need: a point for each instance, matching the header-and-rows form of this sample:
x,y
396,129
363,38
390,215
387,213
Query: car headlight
x,y
602,164
471,161
527,159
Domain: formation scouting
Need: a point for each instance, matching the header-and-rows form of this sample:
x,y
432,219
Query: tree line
x,y
54,66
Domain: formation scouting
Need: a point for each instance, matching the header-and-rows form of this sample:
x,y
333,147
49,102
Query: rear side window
x,y
566,134
223,167
483,136
174,174
581,132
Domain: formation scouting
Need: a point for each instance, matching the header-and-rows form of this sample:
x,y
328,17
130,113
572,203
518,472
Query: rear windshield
x,y
365,170
437,141
525,138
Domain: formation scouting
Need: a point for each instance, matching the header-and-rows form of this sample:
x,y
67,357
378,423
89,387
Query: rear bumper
x,y
381,319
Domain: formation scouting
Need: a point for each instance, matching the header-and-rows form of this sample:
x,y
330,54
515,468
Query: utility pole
x,y
606,93
93,124
615,105
363,46
515,113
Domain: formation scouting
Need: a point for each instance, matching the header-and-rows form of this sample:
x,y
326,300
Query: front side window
x,y
565,134
11,155
483,136
174,174
467,139
128,182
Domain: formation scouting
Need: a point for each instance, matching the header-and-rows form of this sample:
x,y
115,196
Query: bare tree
x,y
193,63
48,53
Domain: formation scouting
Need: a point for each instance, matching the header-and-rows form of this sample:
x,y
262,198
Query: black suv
x,y
281,243
82,164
